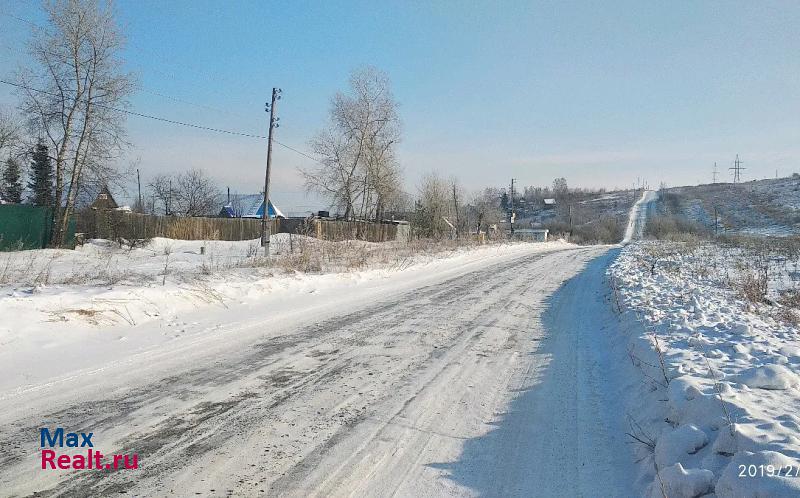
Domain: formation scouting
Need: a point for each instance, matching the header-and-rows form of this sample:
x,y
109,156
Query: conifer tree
x,y
504,204
41,180
11,187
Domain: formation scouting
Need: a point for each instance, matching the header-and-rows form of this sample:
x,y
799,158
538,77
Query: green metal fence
x,y
23,226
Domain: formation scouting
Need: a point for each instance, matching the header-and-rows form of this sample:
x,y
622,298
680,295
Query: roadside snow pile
x,y
775,377
719,407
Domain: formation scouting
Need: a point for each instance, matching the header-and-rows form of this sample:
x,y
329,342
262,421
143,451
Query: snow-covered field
x,y
718,410
106,263
87,320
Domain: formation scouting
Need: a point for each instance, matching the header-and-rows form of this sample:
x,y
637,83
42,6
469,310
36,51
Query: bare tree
x,y
9,130
560,188
382,186
484,209
75,93
458,215
160,189
335,176
435,202
237,205
358,171
195,194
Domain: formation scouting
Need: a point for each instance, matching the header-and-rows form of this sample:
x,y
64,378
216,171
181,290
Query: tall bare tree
x,y
190,193
9,130
484,209
160,188
560,188
75,93
358,171
458,213
434,204
195,194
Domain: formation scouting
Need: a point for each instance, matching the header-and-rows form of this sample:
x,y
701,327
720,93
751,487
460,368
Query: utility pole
x,y
716,221
273,123
139,181
737,170
570,218
513,214
714,174
455,206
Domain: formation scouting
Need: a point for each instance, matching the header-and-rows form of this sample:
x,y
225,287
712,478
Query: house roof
x,y
104,200
549,202
249,206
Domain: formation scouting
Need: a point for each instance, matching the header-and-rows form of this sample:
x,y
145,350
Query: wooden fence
x,y
103,224
113,225
354,230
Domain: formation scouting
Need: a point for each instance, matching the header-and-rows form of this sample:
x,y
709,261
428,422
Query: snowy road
x,y
638,215
494,380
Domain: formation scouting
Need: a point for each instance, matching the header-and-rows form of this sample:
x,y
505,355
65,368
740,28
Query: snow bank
x,y
776,377
759,475
674,444
725,390
677,482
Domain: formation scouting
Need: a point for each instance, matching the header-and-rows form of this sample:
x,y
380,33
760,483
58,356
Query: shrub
x,y
752,287
673,228
607,230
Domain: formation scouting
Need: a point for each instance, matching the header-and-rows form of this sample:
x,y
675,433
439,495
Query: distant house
x,y
104,200
248,206
549,203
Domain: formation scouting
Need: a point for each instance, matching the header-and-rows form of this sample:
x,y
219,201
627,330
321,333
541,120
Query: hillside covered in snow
x,y
761,207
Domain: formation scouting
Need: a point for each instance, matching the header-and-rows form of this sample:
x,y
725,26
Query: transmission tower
x,y
737,170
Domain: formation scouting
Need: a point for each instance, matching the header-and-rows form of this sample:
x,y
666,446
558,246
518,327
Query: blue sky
x,y
598,92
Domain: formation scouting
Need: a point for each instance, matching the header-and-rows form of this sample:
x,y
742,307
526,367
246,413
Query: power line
x,y
183,101
148,53
20,19
181,123
172,121
168,97
143,115
297,151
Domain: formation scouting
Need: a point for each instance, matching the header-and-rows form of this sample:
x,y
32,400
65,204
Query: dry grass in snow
x,y
720,365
